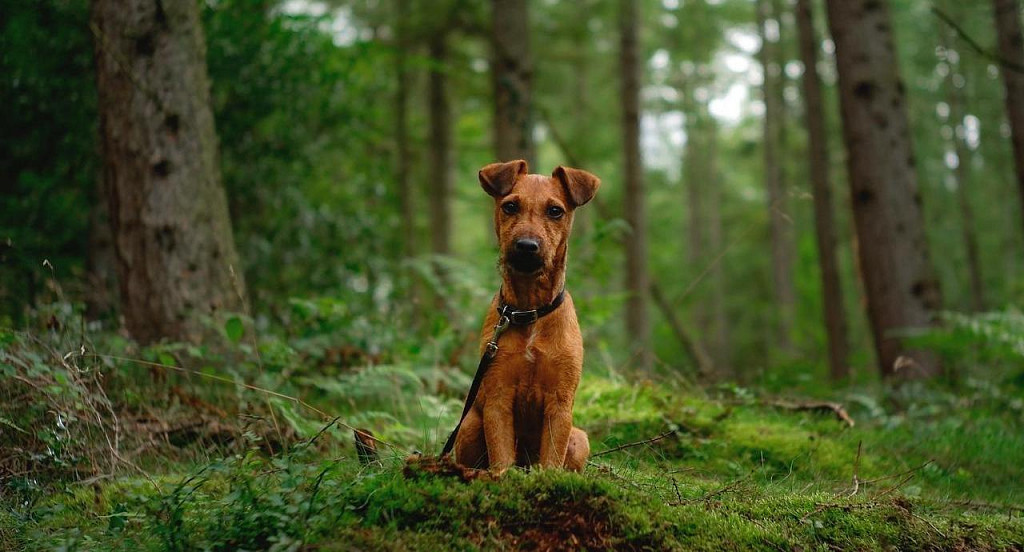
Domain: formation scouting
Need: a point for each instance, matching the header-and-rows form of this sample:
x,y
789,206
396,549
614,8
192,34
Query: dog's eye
x,y
510,207
555,212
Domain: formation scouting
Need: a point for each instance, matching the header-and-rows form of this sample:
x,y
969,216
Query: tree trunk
x,y
1011,51
101,259
781,234
440,177
961,175
824,226
902,290
406,195
168,211
512,71
637,323
715,245
695,177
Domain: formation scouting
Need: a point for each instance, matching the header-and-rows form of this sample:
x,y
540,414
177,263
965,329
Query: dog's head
x,y
533,213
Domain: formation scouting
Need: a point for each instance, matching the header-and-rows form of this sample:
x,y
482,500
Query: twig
x,y
890,490
835,408
675,485
1003,62
856,469
875,500
636,444
313,439
930,524
708,496
895,475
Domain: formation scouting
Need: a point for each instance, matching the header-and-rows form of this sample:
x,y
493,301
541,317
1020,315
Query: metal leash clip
x,y
499,328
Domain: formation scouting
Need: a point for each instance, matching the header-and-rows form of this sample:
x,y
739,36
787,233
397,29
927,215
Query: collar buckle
x,y
527,317
523,318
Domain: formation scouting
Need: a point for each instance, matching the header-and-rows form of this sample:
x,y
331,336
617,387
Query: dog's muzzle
x,y
524,258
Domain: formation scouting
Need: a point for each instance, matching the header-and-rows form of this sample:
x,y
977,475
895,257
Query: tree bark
x,y
961,175
637,322
176,255
406,195
902,290
101,259
1011,50
781,232
715,245
440,177
512,71
824,225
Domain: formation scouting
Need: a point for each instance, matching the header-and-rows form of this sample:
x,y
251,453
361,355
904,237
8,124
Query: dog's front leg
x,y
499,431
555,437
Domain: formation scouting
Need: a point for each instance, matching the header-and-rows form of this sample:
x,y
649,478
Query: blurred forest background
x,y
799,198
350,134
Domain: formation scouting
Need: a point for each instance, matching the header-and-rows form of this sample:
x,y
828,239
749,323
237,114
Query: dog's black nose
x,y
527,245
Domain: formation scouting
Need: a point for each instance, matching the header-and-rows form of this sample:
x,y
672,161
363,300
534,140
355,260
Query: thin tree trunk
x,y
637,322
962,177
406,195
168,210
695,177
715,244
1011,50
902,290
440,177
825,231
512,72
781,234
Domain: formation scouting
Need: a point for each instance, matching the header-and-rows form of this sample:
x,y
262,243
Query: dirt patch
x,y
566,526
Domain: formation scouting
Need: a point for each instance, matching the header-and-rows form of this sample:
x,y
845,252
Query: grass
x,y
206,465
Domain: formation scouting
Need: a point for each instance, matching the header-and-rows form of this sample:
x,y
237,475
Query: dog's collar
x,y
518,317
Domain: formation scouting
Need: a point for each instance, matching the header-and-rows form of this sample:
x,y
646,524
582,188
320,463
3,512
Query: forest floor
x,y
172,465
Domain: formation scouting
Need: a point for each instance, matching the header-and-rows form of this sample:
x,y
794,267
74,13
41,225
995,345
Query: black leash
x,y
507,315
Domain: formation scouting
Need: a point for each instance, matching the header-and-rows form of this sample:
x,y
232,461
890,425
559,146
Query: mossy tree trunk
x,y
902,290
176,255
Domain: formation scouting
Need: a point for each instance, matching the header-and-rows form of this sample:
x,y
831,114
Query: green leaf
x,y
167,359
234,329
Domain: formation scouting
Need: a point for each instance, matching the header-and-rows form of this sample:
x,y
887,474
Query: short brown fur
x,y
523,412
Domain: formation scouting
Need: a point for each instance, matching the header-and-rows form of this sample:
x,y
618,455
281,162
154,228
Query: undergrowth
x,y
246,444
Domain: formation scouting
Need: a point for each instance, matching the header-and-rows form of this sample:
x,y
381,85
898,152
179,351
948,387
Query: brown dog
x,y
523,412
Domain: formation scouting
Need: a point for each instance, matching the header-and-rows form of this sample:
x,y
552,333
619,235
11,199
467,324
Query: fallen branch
x,y
814,406
636,444
701,358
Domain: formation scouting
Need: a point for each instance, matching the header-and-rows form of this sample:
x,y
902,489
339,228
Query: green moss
x,y
733,476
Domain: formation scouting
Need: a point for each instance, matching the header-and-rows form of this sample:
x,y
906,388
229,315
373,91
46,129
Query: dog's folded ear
x,y
497,179
579,185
